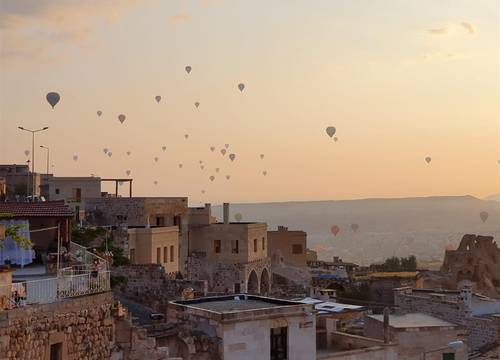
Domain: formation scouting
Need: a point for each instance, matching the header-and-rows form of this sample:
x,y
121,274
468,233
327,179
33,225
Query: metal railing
x,y
51,290
81,254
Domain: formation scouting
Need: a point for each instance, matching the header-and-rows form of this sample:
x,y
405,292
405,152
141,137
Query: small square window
x,y
57,191
217,246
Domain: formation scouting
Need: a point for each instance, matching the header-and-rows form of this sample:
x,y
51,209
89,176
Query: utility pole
x,y
33,132
48,156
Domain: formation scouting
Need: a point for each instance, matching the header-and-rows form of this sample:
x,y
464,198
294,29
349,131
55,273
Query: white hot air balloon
x,y
158,98
232,157
188,69
223,152
121,118
241,87
330,130
53,98
99,113
212,178
428,159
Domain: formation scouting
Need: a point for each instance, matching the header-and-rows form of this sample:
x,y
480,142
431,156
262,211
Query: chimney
x,y
226,213
387,334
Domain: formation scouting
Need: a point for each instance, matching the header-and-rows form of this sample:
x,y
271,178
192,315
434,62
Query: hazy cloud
x,y
30,25
181,17
453,27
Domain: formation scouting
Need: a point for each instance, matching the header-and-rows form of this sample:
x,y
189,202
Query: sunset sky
x,y
400,80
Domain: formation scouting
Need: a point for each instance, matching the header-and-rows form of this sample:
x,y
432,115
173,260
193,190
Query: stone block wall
x,y
84,326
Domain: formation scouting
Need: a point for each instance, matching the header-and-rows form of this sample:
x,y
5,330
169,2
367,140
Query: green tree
x,y
13,231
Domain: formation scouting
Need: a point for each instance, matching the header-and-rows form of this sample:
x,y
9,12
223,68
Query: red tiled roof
x,y
36,209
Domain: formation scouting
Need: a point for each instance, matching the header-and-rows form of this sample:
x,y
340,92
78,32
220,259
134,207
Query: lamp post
x,y
28,180
33,132
455,345
48,156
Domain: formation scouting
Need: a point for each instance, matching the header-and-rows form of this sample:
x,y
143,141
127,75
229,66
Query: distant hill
x,y
420,226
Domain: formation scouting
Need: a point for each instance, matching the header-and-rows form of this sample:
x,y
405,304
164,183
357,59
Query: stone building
x,y
155,245
141,212
479,314
73,190
288,246
416,333
233,257
246,327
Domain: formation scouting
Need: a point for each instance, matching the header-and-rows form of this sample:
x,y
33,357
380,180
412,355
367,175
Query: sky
x,y
399,80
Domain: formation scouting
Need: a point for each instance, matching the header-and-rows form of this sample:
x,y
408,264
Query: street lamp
x,y
33,132
48,156
455,345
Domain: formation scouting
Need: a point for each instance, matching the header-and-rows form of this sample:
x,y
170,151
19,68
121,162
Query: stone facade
x,y
150,285
83,327
453,306
287,247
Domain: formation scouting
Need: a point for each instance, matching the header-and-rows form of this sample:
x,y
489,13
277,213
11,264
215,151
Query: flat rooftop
x,y
414,320
229,308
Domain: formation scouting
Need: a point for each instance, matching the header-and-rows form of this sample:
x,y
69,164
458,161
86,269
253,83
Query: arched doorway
x,y
253,283
264,283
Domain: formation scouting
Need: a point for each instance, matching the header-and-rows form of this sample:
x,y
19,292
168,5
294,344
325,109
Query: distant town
x,y
87,274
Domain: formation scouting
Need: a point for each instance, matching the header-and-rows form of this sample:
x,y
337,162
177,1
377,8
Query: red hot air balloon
x,y
335,230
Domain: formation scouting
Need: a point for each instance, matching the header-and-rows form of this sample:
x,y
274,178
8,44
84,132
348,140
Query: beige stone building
x,y
288,246
155,245
233,257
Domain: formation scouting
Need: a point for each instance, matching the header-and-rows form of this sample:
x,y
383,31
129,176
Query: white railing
x,y
50,290
81,254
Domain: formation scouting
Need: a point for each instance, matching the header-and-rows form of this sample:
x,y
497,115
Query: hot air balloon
x,y
75,157
223,152
188,69
354,227
232,157
155,182
202,191
164,148
201,161
122,118
428,159
241,86
202,167
26,152
53,98
212,148
483,215
212,178
156,158
99,112
264,173
128,172
186,136
335,230
226,146
217,170
158,98
335,139
180,166
330,130
110,153
262,156
128,153
197,104
105,150
238,217
228,177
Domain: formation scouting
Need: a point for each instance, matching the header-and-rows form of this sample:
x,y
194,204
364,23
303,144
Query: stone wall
x,y
83,326
150,285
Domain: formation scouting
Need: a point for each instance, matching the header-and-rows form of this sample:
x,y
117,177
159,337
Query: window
x,y
217,246
57,191
235,246
254,245
177,222
237,288
160,221
56,351
132,256
279,346
165,254
263,243
449,356
77,194
158,255
171,253
297,249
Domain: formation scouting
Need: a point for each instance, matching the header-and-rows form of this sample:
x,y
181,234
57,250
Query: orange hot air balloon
x,y
335,230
